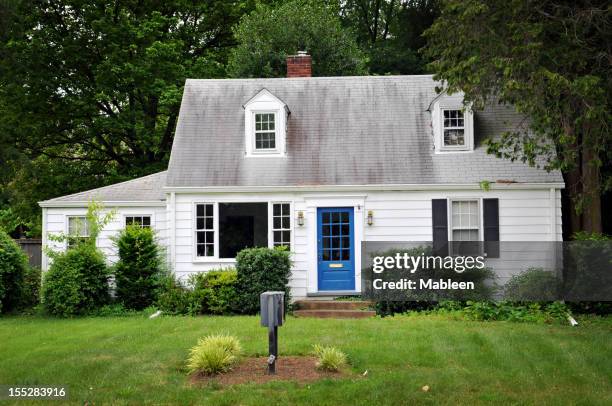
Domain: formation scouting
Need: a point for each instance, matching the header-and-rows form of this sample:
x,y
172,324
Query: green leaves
x,y
270,33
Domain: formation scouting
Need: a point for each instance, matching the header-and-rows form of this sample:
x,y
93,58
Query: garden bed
x,y
299,369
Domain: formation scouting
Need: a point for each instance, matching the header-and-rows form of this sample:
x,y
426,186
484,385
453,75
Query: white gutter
x,y
355,188
85,203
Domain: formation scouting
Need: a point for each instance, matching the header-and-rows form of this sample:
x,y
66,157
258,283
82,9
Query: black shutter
x,y
491,227
439,220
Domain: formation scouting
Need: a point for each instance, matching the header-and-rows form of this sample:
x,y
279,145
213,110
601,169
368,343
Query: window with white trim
x,y
265,131
78,229
453,128
281,224
141,221
205,230
465,220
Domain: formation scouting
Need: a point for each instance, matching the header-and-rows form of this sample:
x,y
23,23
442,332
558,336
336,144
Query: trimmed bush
x,y
215,291
13,266
174,298
330,359
260,270
138,271
214,354
77,282
534,284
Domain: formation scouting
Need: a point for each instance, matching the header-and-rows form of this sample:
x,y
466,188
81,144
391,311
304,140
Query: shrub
x,y
533,284
30,292
13,266
214,354
215,291
137,273
516,311
173,297
260,270
77,282
329,358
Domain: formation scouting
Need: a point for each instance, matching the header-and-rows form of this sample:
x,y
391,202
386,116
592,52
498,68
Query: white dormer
x,y
265,125
452,123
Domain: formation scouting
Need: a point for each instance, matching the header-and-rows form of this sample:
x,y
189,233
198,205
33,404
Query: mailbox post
x,y
272,315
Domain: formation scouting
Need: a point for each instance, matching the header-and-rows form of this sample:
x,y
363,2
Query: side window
x,y
78,229
281,224
142,221
205,230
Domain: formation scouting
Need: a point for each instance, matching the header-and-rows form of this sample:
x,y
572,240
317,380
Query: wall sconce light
x,y
300,218
370,217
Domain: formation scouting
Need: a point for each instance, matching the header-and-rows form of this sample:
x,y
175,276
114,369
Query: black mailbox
x,y
272,315
272,308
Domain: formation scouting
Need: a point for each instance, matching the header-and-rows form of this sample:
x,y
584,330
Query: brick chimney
x,y
299,66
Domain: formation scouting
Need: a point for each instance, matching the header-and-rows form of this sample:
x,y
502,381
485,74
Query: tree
x,y
270,33
92,90
551,60
390,32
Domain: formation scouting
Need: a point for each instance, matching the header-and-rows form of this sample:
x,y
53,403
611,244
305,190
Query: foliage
x,y
330,359
390,32
533,284
174,298
516,311
138,271
77,282
260,270
214,291
214,354
586,236
11,223
551,61
30,291
270,33
90,91
13,268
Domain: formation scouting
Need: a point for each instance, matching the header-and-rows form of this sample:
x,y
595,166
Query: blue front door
x,y
336,248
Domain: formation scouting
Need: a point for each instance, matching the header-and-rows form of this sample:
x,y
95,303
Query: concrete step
x,y
335,314
332,304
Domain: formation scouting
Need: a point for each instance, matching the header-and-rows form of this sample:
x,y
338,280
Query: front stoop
x,y
333,309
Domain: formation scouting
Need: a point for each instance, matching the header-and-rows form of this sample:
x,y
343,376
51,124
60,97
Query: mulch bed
x,y
255,370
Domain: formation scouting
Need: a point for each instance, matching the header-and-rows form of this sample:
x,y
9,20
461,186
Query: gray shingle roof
x,y
341,131
147,188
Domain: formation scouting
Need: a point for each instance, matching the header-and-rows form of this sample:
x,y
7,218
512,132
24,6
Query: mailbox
x,y
272,315
272,308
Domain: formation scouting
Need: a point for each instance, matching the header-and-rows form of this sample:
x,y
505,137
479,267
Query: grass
x,y
134,360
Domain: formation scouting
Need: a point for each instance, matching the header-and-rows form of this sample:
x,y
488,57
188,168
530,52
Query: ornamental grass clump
x,y
330,359
214,354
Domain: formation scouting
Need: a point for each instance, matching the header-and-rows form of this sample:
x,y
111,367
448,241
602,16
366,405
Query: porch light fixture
x,y
370,217
300,218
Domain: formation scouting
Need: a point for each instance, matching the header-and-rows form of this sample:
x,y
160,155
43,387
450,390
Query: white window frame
x,y
150,216
444,103
271,228
81,216
451,228
463,127
264,102
215,231
259,151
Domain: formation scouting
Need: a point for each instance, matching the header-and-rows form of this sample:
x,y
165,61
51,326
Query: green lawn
x,y
134,360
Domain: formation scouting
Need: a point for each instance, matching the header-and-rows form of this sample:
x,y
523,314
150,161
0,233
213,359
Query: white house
x,y
321,164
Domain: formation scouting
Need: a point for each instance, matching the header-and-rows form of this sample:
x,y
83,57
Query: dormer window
x,y
265,122
265,133
454,128
452,123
